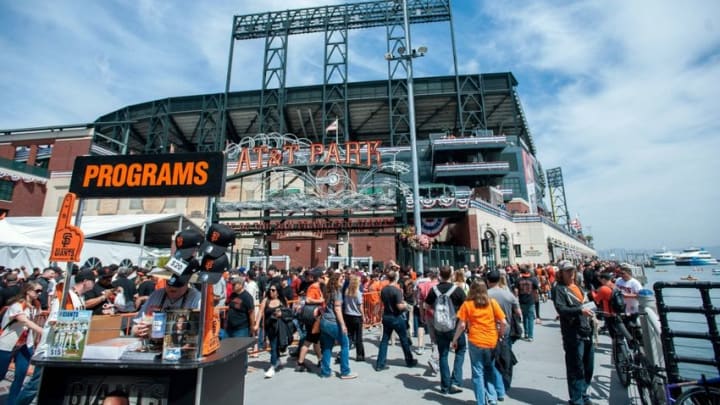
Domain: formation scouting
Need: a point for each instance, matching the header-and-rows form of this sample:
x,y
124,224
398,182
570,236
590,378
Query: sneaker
x,y
418,351
529,339
454,390
350,376
270,372
382,368
301,368
412,363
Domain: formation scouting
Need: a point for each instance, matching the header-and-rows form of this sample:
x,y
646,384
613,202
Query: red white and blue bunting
x,y
441,203
433,226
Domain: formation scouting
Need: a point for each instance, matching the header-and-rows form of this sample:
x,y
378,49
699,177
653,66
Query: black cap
x,y
84,274
105,272
493,276
178,281
218,238
187,242
214,264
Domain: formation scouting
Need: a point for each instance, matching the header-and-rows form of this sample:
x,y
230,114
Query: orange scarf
x,y
576,291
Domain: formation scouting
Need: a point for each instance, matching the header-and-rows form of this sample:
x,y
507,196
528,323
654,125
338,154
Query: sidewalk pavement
x,y
539,377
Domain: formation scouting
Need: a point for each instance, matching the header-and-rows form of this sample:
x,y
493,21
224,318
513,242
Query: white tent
x,y
112,238
17,250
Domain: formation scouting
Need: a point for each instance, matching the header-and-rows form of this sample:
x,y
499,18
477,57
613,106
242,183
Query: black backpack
x,y
617,301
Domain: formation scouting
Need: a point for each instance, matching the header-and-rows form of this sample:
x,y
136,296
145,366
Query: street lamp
x,y
408,57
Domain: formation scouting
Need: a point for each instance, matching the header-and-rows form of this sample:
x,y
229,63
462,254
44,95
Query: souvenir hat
x,y
212,268
218,238
187,243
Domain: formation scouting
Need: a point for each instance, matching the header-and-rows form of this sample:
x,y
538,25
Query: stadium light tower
x,y
407,54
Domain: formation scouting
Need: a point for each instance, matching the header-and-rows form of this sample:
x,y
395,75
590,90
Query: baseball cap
x,y
493,276
84,274
178,281
105,272
218,238
566,265
187,242
212,268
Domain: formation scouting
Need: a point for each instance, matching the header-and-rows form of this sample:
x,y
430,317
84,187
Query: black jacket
x,y
573,324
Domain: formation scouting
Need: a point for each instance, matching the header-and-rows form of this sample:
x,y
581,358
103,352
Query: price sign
x,y
177,266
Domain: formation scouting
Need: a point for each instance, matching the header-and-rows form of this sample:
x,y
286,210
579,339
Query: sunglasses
x,y
273,289
38,291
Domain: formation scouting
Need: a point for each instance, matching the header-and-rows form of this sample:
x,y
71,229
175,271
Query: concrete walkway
x,y
539,377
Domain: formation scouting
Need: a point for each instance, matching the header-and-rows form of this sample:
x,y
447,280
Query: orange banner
x,y
211,334
68,239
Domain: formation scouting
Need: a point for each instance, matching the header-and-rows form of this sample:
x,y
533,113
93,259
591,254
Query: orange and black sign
x,y
68,239
177,174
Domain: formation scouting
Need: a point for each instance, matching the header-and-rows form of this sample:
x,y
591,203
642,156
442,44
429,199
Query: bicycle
x,y
705,392
630,361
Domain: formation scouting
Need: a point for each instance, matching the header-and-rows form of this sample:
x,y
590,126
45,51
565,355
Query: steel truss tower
x,y
558,202
335,21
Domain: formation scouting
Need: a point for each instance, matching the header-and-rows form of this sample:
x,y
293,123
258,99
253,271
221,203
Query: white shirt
x,y
632,286
252,289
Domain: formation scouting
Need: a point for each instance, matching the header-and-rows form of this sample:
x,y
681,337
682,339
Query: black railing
x,y
704,331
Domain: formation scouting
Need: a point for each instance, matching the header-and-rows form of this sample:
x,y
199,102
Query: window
x,y
170,203
136,204
518,250
6,190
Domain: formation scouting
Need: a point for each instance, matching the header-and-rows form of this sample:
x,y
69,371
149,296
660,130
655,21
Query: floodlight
x,y
422,50
401,50
388,56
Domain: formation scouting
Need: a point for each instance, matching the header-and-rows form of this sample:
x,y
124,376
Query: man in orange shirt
x,y
313,297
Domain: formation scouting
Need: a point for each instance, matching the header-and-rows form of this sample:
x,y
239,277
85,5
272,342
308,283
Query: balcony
x,y
469,143
471,169
22,168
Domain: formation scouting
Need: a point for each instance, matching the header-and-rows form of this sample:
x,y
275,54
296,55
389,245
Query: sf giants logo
x,y
209,264
66,239
214,236
179,241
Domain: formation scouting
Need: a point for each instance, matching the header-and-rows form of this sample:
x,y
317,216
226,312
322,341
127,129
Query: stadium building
x,y
323,174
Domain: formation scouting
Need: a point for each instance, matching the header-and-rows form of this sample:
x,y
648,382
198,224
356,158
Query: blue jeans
x,y
443,340
393,323
244,332
483,373
330,332
274,349
579,364
528,313
22,362
31,388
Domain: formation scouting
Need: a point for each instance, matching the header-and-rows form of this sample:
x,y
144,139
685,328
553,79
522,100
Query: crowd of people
x,y
479,312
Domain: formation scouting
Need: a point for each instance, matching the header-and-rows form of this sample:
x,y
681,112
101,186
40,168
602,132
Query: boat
x,y
689,277
663,258
694,257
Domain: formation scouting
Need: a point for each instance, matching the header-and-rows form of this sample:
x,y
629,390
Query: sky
x,y
624,96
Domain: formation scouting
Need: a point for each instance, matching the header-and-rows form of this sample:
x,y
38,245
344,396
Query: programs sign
x,y
165,175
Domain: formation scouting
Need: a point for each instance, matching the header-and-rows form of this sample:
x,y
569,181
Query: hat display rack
x,y
202,259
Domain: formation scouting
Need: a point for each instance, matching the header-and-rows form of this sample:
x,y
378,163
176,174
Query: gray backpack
x,y
445,315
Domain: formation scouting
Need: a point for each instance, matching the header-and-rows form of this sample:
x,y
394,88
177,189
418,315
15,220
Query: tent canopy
x,y
17,249
159,228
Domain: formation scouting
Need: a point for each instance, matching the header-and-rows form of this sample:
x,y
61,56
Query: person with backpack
x,y
526,289
445,298
393,320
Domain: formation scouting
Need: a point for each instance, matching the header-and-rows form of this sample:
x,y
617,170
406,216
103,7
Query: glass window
x,y
6,190
518,250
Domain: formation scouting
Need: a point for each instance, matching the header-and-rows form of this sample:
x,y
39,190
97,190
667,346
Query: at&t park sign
x,y
314,225
293,152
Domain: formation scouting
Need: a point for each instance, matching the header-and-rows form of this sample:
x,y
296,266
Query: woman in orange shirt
x,y
484,321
